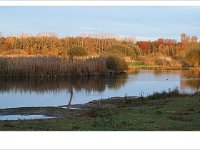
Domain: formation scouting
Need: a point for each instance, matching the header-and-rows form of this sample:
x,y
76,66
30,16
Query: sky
x,y
140,22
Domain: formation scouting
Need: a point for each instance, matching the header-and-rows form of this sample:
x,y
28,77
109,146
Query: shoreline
x,y
107,103
132,68
158,112
73,107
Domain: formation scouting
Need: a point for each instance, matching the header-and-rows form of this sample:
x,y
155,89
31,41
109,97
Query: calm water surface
x,y
58,92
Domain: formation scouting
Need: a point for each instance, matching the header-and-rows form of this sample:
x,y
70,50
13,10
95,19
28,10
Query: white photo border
x,y
100,3
100,140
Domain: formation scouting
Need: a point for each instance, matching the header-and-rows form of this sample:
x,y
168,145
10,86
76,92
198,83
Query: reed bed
x,y
51,67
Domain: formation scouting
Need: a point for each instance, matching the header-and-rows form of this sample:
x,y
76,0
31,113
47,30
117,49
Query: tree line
x,y
47,44
187,49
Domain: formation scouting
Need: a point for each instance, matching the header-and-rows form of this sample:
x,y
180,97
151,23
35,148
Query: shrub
x,y
116,63
76,51
135,49
122,50
193,57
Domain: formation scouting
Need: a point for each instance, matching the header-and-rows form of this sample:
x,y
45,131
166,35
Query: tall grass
x,y
48,67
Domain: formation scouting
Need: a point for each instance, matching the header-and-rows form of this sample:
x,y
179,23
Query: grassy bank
x,y
144,66
158,112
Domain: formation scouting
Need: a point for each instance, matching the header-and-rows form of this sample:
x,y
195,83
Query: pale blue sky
x,y
141,22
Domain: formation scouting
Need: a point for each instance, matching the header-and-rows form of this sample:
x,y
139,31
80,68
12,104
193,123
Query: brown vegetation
x,y
52,67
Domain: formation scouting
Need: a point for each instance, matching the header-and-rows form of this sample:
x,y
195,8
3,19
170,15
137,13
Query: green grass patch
x,y
137,64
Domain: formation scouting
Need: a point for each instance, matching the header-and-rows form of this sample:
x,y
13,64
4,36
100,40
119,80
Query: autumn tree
x,y
194,39
76,51
122,50
193,56
185,39
144,46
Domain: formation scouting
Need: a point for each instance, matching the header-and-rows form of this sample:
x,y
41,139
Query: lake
x,y
58,92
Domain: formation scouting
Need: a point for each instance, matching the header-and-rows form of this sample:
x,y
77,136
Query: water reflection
x,y
94,84
59,91
69,86
190,80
